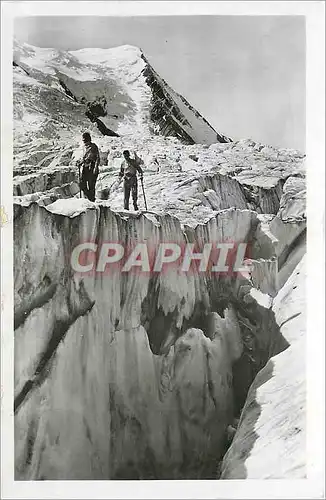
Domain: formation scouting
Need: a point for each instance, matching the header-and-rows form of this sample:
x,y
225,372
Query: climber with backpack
x,y
90,164
128,172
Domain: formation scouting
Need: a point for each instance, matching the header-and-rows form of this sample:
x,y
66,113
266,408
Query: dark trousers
x,y
130,184
87,183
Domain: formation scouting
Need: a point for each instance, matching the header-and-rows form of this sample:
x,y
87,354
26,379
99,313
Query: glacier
x,y
151,376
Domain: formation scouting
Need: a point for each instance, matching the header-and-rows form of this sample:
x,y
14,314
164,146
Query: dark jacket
x,y
91,158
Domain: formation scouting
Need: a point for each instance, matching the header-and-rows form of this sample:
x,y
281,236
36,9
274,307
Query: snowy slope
x,y
57,94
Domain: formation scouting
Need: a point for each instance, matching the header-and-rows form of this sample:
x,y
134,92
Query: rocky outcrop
x,y
100,125
172,115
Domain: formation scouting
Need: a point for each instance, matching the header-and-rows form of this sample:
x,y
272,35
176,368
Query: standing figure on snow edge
x,y
90,164
128,172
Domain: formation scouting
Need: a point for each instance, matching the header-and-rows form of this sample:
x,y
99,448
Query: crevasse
x,y
129,376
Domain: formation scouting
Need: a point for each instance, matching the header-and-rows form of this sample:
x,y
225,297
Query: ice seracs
x,y
151,375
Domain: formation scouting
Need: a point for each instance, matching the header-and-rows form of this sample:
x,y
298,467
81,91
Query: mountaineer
x,y
128,171
90,164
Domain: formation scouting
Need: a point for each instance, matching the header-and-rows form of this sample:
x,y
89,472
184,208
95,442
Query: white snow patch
x,y
70,206
262,299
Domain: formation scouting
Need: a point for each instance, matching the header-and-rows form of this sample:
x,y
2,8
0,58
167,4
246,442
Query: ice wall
x,y
270,440
128,376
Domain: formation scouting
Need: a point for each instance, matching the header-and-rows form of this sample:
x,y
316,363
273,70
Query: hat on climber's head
x,y
87,137
126,153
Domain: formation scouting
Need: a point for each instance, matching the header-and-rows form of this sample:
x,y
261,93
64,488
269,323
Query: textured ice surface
x,y
142,376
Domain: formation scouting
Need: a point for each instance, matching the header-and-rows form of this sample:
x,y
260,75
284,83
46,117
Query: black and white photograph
x,y
154,219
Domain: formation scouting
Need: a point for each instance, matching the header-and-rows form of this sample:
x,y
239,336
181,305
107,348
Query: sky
x,y
244,74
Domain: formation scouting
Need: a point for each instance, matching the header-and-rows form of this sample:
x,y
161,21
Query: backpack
x,y
138,160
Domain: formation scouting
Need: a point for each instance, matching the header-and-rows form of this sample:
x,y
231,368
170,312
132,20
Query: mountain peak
x,y
123,54
114,90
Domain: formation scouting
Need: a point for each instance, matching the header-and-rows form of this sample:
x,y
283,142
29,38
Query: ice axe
x,y
142,185
78,164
